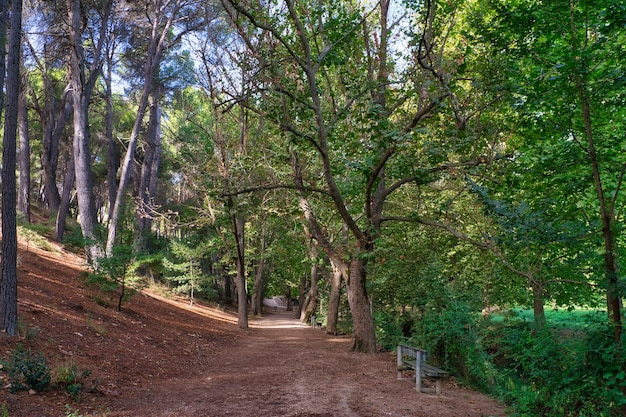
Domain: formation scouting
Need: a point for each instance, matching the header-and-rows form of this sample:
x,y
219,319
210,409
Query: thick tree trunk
x,y
8,283
364,337
82,84
288,298
23,200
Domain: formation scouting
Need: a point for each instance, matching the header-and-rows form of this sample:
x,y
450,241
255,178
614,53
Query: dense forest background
x,y
396,167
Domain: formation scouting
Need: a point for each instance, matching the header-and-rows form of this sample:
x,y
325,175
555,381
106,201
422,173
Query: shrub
x,y
27,371
388,329
453,338
558,372
69,377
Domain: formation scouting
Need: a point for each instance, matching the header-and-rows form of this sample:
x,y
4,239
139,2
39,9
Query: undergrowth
x,y
551,372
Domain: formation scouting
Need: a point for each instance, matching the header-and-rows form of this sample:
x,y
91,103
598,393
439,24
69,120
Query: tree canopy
x,y
373,163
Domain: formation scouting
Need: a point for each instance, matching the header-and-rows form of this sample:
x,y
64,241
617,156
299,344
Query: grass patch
x,y
32,235
569,319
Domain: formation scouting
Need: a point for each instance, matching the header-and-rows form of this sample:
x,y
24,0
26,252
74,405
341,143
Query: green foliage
x,y
557,371
34,235
73,238
26,370
388,329
148,266
111,274
452,336
69,377
184,270
4,410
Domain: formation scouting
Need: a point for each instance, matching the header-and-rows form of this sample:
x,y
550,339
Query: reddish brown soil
x,y
160,357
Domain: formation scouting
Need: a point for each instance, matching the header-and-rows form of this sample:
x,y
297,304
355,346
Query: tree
x,y
184,16
565,70
330,80
83,80
23,200
185,267
8,283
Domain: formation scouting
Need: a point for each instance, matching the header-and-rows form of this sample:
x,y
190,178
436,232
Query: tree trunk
x,y
607,218
66,195
310,302
238,224
111,151
23,200
8,284
158,41
364,337
149,168
538,304
82,84
302,294
334,298
288,298
257,295
54,127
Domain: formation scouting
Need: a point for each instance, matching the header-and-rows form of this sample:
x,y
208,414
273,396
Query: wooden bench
x,y
414,359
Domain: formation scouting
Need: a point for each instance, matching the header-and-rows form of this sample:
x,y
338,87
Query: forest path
x,y
162,357
281,367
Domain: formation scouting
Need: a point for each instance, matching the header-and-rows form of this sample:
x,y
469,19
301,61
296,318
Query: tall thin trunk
x,y
8,283
108,126
158,42
606,204
64,207
149,172
82,149
334,297
238,228
82,82
23,200
302,294
54,127
607,219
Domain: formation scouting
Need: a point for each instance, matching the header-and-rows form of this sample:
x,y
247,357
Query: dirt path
x,y
282,368
161,357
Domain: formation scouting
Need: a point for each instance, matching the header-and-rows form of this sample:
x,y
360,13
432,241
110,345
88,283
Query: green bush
x,y
556,372
27,371
388,329
69,377
453,338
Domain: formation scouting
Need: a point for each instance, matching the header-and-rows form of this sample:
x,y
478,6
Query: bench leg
x,y
418,372
438,384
